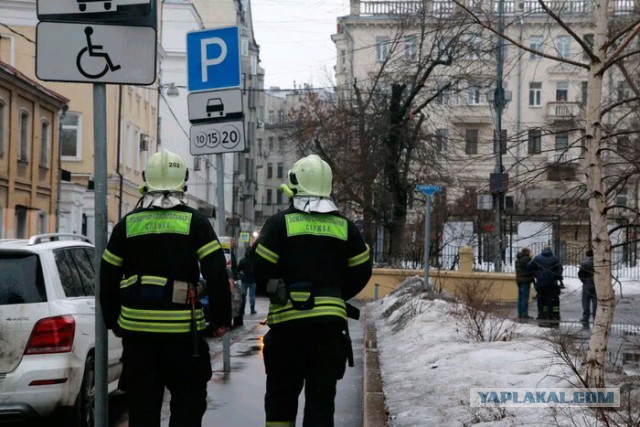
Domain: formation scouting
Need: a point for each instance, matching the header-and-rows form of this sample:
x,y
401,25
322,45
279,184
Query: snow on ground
x,y
428,365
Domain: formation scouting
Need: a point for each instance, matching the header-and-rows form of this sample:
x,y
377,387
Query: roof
x,y
11,73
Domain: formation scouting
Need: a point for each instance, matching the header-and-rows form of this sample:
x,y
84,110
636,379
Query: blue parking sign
x,y
213,59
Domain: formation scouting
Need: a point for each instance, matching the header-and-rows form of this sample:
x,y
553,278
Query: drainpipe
x,y
120,177
58,190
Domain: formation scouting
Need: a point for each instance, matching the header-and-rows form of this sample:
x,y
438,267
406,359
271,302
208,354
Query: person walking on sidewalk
x,y
589,297
311,260
248,281
149,271
524,278
547,270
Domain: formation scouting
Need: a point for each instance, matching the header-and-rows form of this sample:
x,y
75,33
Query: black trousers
x,y
549,306
311,355
589,301
150,365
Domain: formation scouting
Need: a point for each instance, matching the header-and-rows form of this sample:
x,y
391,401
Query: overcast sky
x,y
295,39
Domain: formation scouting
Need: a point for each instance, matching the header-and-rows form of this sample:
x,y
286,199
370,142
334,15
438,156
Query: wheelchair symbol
x,y
89,68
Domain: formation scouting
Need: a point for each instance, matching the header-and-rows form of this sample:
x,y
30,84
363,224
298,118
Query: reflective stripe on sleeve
x,y
267,254
359,259
280,424
112,258
208,248
128,281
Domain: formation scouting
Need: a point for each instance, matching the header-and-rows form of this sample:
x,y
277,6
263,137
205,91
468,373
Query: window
x,y
244,46
473,96
535,141
21,280
563,46
583,90
410,47
44,144
23,154
76,271
475,47
535,43
197,163
444,48
588,40
71,136
254,65
624,91
21,222
441,139
42,222
269,170
269,197
535,94
562,91
562,141
3,126
279,197
280,170
471,141
1,223
624,145
382,48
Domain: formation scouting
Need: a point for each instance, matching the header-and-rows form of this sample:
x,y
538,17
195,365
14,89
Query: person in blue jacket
x,y
547,269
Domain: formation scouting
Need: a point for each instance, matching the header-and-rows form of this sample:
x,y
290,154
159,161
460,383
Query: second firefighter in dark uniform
x,y
149,272
321,261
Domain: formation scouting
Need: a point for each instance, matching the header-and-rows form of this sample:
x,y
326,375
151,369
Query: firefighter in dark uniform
x,y
149,295
321,261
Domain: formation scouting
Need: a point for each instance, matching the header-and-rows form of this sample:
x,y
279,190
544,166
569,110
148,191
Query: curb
x,y
375,412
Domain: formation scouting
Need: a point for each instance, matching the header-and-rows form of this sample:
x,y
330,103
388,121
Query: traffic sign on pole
x,y
428,189
217,138
126,12
213,59
215,105
93,53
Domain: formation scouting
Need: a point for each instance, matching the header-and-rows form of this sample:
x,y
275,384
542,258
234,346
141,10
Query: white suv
x,y
47,329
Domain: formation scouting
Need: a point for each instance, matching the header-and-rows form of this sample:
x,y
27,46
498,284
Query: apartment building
x,y
542,122
29,163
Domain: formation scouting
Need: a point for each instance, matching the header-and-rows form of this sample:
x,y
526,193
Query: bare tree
x,y
612,48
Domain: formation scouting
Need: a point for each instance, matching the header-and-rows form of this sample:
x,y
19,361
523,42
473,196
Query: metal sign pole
x,y
427,243
220,193
100,194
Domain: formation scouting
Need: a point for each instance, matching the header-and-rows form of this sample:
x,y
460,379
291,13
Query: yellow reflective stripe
x,y
112,258
281,423
171,328
299,224
129,281
274,318
153,280
160,315
158,222
319,301
267,254
359,259
208,248
300,296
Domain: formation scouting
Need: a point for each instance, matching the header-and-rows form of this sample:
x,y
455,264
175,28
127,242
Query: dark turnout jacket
x,y
546,268
585,273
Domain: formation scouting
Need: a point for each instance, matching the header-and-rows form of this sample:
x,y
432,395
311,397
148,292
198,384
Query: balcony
x,y
472,114
563,111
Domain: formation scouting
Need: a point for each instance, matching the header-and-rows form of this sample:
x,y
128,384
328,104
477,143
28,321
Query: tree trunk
x,y
596,189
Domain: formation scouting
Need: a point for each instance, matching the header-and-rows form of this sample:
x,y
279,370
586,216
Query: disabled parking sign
x,y
213,59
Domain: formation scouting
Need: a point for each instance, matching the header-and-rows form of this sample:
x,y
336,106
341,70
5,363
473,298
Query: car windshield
x,y
21,279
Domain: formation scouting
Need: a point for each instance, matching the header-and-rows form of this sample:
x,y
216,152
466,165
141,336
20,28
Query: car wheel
x,y
84,410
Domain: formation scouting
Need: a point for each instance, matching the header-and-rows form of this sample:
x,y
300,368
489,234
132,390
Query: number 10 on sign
x,y
215,138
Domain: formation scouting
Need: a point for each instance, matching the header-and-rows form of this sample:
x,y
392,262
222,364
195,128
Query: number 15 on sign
x,y
216,138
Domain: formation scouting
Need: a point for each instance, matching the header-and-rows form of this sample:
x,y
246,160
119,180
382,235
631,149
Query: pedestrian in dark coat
x,y
589,298
524,279
547,270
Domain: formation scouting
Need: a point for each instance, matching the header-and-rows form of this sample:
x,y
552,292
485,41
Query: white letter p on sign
x,y
206,62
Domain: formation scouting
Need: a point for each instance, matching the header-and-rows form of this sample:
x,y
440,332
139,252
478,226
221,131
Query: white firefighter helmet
x,y
310,176
165,171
